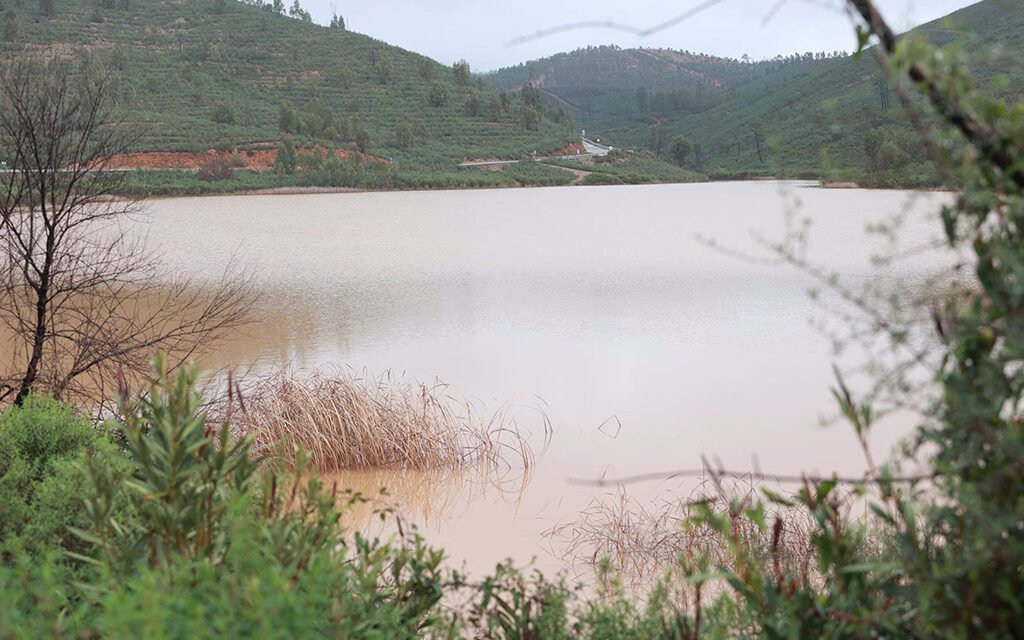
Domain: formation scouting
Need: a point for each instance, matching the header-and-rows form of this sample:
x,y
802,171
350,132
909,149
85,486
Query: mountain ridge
x,y
827,114
196,75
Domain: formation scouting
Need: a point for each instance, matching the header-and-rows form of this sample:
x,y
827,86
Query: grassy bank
x,y
629,168
150,182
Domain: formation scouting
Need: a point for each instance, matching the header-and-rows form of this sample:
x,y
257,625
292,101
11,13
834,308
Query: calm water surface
x,y
646,348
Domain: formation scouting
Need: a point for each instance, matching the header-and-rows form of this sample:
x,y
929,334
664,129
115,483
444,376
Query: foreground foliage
x,y
176,535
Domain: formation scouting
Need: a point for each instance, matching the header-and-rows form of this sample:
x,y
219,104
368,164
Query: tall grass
x,y
344,421
640,542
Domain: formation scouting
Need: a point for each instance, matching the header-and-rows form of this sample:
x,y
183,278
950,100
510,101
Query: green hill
x,y
811,114
199,74
844,120
609,88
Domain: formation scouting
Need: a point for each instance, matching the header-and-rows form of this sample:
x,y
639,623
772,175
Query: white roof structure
x,y
595,149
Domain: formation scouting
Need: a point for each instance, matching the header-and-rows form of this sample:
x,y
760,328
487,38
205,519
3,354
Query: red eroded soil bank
x,y
251,159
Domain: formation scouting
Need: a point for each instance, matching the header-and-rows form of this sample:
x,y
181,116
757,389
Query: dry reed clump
x,y
344,421
640,543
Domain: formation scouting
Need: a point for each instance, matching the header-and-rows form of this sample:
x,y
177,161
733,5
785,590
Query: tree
x,y
48,7
462,73
296,11
757,128
288,118
531,96
657,139
318,120
404,136
337,22
529,118
80,295
425,67
118,57
362,139
474,106
223,112
680,148
383,71
494,108
286,160
10,26
884,90
438,95
642,100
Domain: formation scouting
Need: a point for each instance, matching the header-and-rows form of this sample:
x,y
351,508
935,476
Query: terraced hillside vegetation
x,y
824,114
231,81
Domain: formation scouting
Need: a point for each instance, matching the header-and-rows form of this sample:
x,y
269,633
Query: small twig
x,y
769,477
616,26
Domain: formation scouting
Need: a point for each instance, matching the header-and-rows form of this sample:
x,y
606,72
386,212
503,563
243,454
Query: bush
x,y
438,95
215,168
594,179
223,113
404,137
42,482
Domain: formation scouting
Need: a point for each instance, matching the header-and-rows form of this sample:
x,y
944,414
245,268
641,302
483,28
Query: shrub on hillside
x,y
216,167
223,112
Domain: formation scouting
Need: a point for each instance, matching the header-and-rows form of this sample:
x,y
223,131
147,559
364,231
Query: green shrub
x,y
223,113
42,483
593,179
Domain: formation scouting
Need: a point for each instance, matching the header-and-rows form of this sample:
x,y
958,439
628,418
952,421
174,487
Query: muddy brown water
x,y
598,306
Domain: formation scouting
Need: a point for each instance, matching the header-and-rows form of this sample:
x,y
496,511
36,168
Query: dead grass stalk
x,y
346,421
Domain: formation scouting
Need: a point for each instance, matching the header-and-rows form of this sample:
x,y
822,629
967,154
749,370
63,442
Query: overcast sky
x,y
480,30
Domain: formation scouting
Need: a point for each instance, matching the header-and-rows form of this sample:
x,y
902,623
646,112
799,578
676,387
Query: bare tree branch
x,y
83,299
991,145
660,476
617,26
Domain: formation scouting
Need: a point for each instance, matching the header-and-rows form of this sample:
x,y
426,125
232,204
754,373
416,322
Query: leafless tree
x,y
81,298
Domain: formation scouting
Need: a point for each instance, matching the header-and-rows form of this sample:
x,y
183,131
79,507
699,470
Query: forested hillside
x,y
608,87
200,74
844,120
824,114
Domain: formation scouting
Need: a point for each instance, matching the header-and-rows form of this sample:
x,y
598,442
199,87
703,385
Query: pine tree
x,y
462,73
680,148
10,26
296,11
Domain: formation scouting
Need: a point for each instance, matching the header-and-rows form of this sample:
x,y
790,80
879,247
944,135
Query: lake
x,y
602,307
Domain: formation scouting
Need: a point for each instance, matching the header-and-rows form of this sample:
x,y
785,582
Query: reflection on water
x,y
598,303
429,498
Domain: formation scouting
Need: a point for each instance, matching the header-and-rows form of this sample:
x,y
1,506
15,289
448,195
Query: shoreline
x,y
821,183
